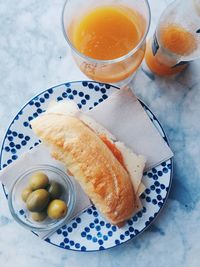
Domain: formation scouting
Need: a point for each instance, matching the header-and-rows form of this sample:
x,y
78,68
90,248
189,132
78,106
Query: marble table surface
x,y
35,56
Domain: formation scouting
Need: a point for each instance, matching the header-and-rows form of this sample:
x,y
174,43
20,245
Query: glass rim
x,y
72,199
107,61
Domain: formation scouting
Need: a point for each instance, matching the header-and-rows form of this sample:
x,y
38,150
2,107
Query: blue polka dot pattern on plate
x,y
92,225
85,83
74,225
59,98
91,85
127,233
71,97
154,201
65,233
105,237
59,231
152,187
83,234
66,240
104,96
46,95
155,177
10,138
98,228
87,97
64,95
77,245
96,220
117,242
99,234
89,231
94,239
89,237
61,244
131,229
102,223
21,212
74,92
83,101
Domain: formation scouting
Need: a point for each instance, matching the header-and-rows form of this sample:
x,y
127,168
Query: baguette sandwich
x,y
108,172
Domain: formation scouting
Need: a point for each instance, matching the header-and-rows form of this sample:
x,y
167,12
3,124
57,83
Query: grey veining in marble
x,y
35,56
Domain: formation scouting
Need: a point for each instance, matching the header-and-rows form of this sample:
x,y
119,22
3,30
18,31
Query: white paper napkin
x,y
37,156
123,115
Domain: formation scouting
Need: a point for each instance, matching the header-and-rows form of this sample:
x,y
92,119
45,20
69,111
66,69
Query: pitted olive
x,y
38,180
37,200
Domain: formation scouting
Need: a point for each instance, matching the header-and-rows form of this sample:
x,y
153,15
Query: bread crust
x,y
91,162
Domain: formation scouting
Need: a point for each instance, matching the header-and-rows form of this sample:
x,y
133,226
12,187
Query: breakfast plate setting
x,y
92,159
88,230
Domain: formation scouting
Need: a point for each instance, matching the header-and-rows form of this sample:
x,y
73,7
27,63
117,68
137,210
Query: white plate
x,y
89,231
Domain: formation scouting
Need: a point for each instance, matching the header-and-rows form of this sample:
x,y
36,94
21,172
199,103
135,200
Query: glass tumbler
x,y
120,70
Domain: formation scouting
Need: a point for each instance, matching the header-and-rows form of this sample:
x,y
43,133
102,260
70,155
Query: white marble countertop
x,y
34,56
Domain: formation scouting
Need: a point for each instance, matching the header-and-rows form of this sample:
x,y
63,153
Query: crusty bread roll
x,y
133,163
90,161
102,176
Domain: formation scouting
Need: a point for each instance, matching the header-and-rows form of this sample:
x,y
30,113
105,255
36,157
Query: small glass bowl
x,y
18,208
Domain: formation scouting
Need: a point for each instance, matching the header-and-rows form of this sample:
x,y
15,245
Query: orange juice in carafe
x,y
109,33
176,41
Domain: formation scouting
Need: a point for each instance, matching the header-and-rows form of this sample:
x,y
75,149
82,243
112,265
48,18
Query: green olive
x,y
37,200
38,216
25,193
38,180
57,209
55,190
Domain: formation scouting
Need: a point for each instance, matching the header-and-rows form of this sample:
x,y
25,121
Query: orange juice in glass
x,y
107,37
